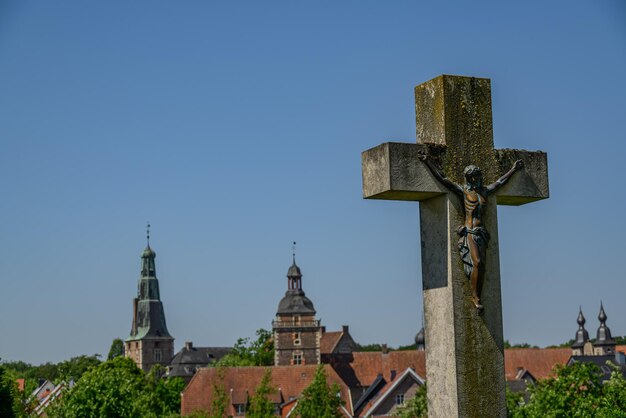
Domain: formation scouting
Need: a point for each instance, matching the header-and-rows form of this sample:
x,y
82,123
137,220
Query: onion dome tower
x,y
605,344
297,332
582,336
420,341
149,342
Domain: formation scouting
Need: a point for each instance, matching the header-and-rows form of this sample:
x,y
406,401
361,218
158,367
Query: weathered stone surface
x,y
530,184
464,347
392,171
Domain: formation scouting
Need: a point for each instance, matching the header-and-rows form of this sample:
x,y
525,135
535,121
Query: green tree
x,y
574,391
319,400
118,388
260,406
220,398
514,401
416,407
259,352
48,371
7,400
613,403
74,368
116,350
160,396
370,347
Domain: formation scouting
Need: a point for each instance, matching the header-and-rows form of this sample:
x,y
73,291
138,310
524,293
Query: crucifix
x,y
445,172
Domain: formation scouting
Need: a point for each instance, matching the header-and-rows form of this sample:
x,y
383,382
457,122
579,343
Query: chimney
x,y
188,345
323,329
385,349
344,329
393,375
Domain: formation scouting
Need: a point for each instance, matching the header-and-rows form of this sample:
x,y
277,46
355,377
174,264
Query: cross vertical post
x,y
464,345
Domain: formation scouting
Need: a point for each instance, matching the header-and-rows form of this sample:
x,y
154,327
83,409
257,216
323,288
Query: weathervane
x,y
148,233
293,249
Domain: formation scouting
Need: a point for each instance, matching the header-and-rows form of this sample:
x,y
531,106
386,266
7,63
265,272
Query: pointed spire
x,y
294,275
602,315
603,336
581,318
148,266
582,336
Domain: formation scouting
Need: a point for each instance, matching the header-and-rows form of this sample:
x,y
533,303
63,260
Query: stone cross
x,y
464,345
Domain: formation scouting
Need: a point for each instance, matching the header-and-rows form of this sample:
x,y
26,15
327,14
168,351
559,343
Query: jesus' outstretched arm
x,y
502,180
440,176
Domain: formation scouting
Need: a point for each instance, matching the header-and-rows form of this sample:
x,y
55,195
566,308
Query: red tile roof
x,y
364,367
368,365
329,341
538,361
240,382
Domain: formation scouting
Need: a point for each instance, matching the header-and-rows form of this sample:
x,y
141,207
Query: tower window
x,y
296,319
296,338
297,359
157,354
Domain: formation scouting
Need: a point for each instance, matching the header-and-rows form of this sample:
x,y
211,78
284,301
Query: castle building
x,y
149,342
297,332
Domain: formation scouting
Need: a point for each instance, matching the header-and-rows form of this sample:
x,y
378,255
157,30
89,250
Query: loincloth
x,y
480,236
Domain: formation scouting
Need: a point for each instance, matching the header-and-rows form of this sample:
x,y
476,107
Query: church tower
x,y
149,342
297,333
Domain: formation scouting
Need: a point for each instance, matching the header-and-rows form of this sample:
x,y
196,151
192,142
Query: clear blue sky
x,y
236,128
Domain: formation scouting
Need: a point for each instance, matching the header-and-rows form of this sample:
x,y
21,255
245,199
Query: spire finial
x,y
148,233
602,315
293,249
581,318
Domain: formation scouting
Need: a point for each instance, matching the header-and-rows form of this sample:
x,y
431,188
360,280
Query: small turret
x,y
605,344
420,341
582,336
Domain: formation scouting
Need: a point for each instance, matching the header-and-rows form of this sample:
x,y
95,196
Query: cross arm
x,y
527,185
393,171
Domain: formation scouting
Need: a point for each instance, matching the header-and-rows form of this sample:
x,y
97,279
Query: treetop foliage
x,y
574,391
247,352
117,349
118,388
319,399
260,406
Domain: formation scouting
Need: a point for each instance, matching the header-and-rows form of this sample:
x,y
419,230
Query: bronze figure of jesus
x,y
474,237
